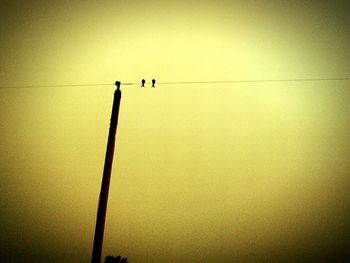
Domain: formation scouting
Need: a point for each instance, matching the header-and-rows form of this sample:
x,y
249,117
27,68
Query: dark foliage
x,y
118,259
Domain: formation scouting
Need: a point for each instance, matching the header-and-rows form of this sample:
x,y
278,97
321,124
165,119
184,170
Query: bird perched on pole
x,y
143,83
153,82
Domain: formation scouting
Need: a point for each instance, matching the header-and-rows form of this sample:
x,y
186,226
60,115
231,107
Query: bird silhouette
x,y
153,82
143,83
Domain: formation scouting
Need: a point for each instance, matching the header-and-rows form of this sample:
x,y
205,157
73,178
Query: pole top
x,y
117,83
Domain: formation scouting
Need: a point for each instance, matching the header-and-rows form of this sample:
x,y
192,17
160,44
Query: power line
x,y
255,81
54,86
178,83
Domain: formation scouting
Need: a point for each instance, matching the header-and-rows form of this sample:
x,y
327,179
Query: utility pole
x,y
102,205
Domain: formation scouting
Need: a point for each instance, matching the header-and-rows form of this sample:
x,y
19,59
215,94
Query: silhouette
x,y
107,168
118,259
153,82
143,83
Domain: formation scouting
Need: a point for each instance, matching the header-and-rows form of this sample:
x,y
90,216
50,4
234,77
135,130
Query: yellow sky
x,y
245,172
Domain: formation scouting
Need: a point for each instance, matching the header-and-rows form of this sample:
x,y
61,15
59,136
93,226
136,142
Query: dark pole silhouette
x,y
102,205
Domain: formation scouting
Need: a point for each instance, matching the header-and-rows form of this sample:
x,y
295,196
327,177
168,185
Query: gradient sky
x,y
252,172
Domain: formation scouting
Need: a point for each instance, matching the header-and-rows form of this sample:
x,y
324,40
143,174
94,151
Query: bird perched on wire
x,y
143,83
153,82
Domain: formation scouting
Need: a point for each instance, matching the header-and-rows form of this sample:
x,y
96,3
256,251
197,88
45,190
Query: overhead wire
x,y
178,83
255,81
55,86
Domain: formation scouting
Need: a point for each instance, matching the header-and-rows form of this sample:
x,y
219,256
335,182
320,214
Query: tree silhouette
x,y
118,259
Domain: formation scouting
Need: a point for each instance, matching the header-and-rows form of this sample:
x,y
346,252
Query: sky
x,y
234,172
